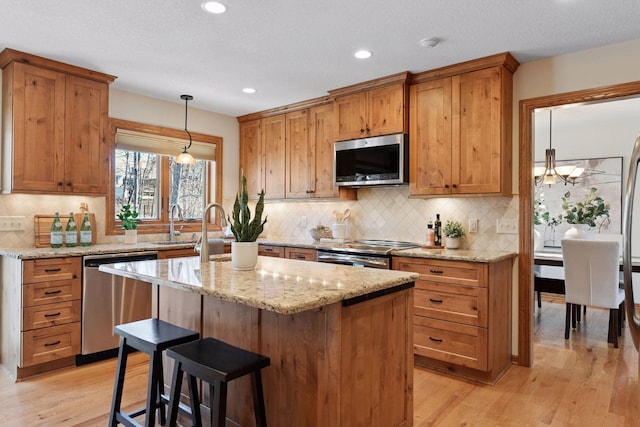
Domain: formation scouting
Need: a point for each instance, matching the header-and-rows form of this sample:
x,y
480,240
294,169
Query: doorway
x,y
525,181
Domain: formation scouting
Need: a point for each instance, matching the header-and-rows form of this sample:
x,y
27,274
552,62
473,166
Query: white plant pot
x,y
538,240
578,231
244,255
130,237
452,242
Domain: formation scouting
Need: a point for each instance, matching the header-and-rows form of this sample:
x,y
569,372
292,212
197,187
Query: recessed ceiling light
x,y
429,42
249,90
214,7
363,54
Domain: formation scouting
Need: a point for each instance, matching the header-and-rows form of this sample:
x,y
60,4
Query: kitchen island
x,y
339,338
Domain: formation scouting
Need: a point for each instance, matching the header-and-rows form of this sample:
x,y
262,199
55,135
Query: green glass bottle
x,y
71,232
56,232
85,231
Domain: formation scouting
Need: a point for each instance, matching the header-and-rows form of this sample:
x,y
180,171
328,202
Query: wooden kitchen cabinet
x,y
460,129
271,250
374,112
55,124
41,302
462,316
251,157
304,254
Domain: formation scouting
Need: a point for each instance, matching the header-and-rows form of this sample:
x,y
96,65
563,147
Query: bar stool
x,y
151,336
216,363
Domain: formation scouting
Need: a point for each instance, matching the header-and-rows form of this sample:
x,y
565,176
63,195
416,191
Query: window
x,y
146,176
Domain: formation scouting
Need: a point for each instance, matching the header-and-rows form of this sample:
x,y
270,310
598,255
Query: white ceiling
x,y
293,50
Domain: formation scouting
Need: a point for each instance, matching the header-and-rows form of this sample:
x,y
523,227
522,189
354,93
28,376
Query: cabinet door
x,y
297,156
38,129
430,142
273,136
350,114
86,149
386,110
477,139
251,158
321,140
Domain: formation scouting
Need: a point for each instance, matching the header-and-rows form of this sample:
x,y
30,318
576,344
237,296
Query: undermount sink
x,y
175,242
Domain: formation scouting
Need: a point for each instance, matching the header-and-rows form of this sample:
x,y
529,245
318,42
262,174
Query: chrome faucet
x,y
204,240
172,232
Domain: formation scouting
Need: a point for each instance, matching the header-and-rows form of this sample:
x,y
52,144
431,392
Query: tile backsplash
x,y
379,213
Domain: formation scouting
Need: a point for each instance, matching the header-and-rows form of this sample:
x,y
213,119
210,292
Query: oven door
x,y
355,260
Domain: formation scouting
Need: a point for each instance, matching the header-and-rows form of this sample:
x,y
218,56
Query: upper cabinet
x,y
460,130
54,126
290,155
374,108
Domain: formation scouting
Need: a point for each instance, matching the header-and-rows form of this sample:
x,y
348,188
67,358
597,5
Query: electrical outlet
x,y
11,223
473,225
507,226
303,221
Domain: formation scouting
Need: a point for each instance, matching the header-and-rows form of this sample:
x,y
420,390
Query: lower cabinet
x,y
40,314
462,316
306,254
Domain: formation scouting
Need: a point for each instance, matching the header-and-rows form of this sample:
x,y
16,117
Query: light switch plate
x,y
507,226
12,223
473,225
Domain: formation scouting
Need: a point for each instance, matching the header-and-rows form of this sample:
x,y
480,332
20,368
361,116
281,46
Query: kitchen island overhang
x,y
339,337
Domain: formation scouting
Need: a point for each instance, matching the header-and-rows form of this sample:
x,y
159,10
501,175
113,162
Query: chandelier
x,y
550,173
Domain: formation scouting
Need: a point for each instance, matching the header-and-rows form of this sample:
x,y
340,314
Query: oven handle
x,y
336,258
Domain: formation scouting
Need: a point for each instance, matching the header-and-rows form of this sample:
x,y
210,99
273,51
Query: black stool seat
x,y
151,336
216,363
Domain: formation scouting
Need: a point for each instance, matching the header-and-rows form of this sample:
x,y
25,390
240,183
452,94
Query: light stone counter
x,y
280,285
456,254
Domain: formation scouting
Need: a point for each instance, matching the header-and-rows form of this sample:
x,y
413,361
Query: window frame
x,y
114,227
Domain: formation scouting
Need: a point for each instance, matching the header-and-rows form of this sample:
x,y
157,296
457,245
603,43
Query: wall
x,y
128,106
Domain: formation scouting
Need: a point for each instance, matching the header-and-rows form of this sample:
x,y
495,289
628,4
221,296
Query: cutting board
x,y
42,228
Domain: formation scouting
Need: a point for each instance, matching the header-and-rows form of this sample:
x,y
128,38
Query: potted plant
x,y
584,213
129,217
244,250
453,231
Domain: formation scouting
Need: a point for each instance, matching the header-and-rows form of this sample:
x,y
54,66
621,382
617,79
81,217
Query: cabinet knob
x,y
60,183
446,186
310,191
361,130
68,184
455,185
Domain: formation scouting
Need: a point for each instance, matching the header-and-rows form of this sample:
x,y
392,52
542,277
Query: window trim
x,y
113,226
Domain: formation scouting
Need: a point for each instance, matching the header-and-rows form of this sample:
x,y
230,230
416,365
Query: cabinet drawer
x,y
50,292
450,342
47,344
268,250
462,304
301,253
43,316
457,272
46,270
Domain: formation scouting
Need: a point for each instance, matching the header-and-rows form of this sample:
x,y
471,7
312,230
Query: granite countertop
x,y
281,285
447,254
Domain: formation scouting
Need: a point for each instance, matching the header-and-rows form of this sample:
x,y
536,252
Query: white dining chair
x,y
592,277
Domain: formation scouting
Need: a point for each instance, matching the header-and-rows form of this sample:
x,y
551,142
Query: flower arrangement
x,y
453,229
128,217
245,229
586,211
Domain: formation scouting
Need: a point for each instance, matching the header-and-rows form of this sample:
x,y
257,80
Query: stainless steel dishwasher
x,y
107,301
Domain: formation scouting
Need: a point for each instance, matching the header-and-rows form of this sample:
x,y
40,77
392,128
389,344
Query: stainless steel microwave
x,y
379,160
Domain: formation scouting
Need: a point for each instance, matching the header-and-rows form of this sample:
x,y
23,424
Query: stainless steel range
x,y
362,253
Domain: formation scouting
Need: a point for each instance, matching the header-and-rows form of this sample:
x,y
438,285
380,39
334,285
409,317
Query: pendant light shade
x,y
185,158
550,173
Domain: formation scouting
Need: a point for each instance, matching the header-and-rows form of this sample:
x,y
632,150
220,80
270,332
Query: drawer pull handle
x,y
299,256
52,292
432,271
52,270
51,344
52,314
435,339
435,301
268,250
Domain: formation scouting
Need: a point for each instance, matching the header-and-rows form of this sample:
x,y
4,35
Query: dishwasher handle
x,y
94,261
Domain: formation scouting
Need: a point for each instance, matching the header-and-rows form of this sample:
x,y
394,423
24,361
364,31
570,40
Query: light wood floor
x,y
581,381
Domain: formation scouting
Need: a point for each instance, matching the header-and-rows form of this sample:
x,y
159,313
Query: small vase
x,y
452,242
578,231
130,237
244,255
538,240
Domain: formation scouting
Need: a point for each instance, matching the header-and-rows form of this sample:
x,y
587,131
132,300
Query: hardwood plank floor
x,y
581,381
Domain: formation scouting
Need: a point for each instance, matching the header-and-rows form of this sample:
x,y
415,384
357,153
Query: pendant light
x,y
550,173
185,158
